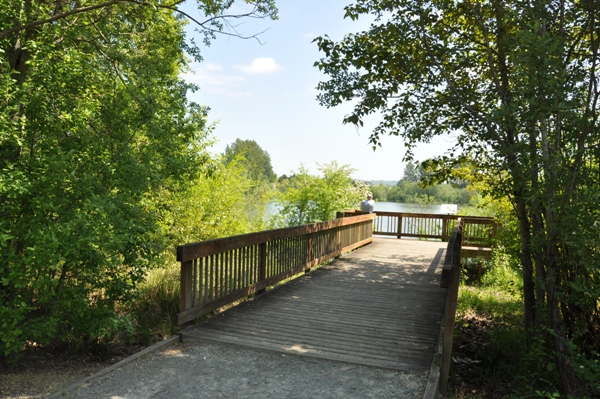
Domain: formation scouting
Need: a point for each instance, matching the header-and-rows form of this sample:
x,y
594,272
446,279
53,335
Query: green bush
x,y
84,148
309,199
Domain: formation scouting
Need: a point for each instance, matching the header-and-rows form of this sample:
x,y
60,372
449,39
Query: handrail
x,y
219,272
477,230
438,377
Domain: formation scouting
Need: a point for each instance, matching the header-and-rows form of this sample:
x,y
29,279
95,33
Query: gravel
x,y
200,369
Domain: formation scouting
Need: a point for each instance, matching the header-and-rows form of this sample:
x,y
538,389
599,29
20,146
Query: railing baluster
x,y
214,277
238,262
244,267
205,286
195,282
226,276
262,262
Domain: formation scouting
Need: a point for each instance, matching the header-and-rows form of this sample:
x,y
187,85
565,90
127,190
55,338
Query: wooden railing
x,y
477,230
218,272
437,383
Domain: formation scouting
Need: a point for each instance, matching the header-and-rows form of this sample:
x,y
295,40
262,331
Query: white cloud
x,y
212,67
261,65
210,78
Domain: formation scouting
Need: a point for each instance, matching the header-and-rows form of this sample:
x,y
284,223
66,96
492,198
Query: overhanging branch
x,y
173,7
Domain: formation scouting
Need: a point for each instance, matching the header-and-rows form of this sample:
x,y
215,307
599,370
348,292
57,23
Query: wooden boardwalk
x,y
379,306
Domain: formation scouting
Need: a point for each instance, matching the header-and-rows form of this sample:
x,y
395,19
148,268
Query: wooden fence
x,y
477,231
218,272
437,383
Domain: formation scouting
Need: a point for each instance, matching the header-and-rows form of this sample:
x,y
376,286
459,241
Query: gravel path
x,y
208,370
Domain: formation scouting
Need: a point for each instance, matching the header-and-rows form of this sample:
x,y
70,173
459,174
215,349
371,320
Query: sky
x,y
266,91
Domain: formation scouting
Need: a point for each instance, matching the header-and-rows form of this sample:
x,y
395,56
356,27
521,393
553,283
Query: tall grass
x,y
157,305
497,291
489,335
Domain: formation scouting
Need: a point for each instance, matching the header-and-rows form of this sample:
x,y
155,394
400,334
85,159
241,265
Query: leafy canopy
x,y
516,84
256,160
94,126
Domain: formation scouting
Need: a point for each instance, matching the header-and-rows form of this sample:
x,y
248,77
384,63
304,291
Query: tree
x,y
256,160
517,83
311,199
412,172
94,123
380,192
214,205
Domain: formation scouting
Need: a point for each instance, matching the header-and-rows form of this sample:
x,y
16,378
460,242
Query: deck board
x,y
379,306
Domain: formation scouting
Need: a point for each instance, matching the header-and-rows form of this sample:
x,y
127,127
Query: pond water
x,y
273,208
406,207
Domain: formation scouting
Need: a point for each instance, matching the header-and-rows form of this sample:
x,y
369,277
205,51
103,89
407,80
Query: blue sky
x,y
266,93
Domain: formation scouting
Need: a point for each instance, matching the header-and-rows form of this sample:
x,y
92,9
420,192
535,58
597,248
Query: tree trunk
x,y
537,226
563,353
528,283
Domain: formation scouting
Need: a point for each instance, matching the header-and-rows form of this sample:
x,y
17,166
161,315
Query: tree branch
x,y
172,7
58,16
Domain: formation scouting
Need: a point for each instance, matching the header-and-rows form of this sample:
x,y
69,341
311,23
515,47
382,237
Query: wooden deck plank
x,y
318,331
378,306
356,322
341,343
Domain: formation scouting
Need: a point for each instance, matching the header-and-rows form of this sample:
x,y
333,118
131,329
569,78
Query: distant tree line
x,y
256,160
411,192
410,189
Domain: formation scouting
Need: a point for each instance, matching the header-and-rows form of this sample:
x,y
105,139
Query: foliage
x,y
94,127
220,202
491,308
516,84
256,160
380,192
419,185
310,199
156,305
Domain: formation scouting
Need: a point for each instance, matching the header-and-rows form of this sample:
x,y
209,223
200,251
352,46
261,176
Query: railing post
x,y
445,236
309,252
399,226
495,226
185,302
262,264
262,261
451,280
449,318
